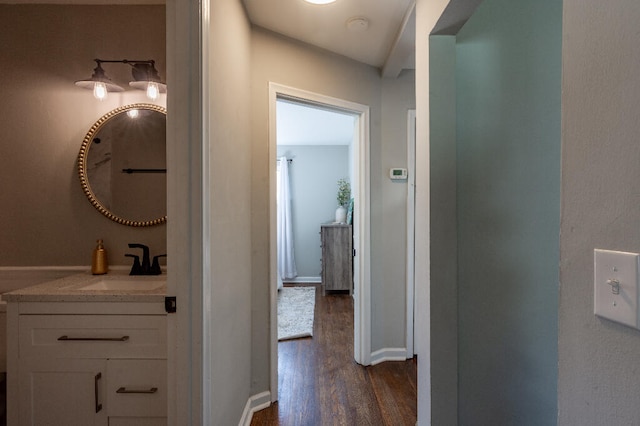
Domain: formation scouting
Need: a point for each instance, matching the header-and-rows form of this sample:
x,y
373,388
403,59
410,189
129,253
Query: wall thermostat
x,y
397,174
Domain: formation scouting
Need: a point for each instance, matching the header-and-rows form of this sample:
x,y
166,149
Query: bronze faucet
x,y
144,268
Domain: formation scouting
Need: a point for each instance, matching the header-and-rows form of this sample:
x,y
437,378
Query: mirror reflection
x,y
122,165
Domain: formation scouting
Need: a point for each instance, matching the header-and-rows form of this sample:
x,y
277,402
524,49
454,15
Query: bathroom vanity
x,y
88,350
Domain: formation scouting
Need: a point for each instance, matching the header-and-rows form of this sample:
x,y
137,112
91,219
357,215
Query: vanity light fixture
x,y
99,83
145,77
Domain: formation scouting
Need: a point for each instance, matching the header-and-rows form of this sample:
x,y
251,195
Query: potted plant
x,y
343,197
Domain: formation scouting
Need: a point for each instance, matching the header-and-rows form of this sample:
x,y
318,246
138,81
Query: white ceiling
x,y
299,124
387,43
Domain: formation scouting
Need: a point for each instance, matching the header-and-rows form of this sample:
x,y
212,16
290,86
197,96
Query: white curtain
x,y
286,259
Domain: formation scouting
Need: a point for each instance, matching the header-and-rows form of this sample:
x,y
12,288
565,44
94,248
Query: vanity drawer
x,y
136,388
93,336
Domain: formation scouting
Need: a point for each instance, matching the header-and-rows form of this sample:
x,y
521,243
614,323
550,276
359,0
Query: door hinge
x,y
170,304
354,252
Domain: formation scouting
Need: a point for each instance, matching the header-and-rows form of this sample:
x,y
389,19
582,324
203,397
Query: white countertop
x,y
68,290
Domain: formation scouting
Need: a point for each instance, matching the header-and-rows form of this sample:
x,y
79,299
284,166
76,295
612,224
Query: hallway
x,y
320,383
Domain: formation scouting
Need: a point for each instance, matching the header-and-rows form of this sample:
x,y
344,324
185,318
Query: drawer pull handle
x,y
93,339
125,390
95,383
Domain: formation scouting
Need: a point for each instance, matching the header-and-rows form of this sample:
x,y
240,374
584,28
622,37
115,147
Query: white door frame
x,y
362,275
187,131
411,226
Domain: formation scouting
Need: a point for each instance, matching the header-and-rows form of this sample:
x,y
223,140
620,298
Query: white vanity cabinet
x,y
84,363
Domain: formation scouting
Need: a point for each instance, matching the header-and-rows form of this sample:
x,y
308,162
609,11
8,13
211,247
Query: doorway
x,y
360,192
314,146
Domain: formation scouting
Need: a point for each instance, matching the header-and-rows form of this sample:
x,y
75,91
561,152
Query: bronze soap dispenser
x,y
99,264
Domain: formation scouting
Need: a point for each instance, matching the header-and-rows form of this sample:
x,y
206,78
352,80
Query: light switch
x,y
616,286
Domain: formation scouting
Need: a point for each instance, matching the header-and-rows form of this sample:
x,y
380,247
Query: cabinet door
x,y
62,392
336,257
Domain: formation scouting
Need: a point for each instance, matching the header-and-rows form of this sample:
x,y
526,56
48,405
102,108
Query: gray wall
x,y
46,220
313,176
389,215
444,250
598,359
508,203
281,60
229,299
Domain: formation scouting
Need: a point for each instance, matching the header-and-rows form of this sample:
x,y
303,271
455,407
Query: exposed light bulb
x,y
153,91
99,90
132,113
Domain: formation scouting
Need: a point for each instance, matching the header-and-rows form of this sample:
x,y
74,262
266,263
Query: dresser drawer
x,y
93,336
137,421
136,388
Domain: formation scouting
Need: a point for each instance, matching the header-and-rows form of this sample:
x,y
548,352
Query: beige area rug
x,y
296,307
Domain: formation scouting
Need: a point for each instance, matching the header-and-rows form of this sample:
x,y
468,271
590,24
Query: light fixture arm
x,y
125,61
145,77
131,62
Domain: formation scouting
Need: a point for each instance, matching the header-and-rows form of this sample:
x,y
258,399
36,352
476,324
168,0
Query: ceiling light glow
x,y
320,1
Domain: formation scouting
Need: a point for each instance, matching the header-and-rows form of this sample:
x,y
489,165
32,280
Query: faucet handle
x,y
136,269
155,267
145,266
138,245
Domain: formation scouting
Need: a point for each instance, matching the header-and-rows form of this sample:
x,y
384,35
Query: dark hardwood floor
x,y
321,384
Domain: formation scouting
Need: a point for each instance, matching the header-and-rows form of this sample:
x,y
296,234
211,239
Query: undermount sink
x,y
125,284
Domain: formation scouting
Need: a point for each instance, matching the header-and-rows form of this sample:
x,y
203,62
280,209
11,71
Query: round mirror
x,y
122,165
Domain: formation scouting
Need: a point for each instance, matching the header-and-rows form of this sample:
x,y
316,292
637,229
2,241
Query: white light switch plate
x,y
616,286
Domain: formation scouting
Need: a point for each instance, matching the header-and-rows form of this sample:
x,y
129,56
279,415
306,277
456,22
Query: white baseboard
x,y
254,403
388,354
303,280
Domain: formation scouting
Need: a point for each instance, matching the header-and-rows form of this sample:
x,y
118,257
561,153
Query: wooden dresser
x,y
337,257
